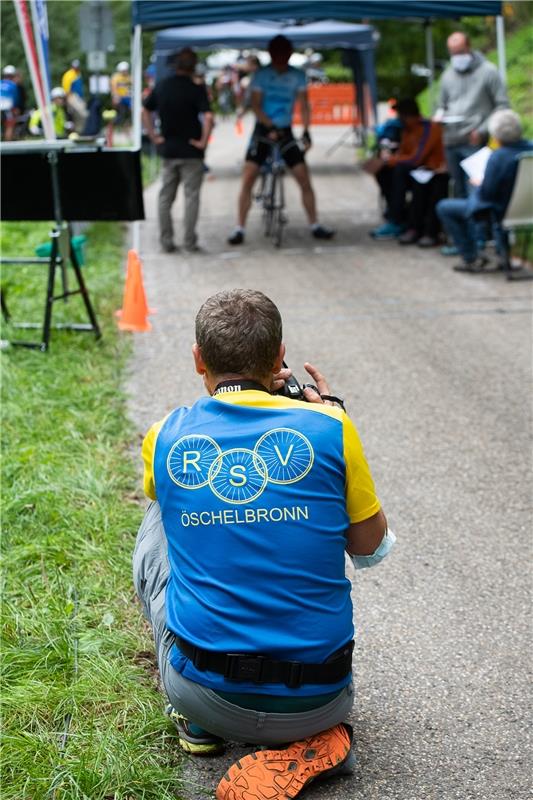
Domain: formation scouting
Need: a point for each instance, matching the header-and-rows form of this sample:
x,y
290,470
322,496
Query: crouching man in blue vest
x,y
240,559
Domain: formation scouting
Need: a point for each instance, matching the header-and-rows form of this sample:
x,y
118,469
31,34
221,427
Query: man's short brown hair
x,y
239,332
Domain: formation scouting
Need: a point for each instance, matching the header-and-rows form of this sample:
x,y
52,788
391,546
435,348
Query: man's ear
x,y
199,364
278,363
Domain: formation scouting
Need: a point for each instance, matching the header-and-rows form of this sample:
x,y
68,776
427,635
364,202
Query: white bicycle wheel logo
x,y
240,475
287,453
189,460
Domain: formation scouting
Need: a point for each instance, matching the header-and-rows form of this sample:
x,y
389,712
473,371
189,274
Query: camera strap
x,y
238,386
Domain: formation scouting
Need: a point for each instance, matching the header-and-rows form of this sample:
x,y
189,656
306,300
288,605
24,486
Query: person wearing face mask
x,y
471,90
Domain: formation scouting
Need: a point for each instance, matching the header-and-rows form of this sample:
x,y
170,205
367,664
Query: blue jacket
x,y
495,192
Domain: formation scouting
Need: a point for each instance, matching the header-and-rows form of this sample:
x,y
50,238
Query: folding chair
x,y
519,216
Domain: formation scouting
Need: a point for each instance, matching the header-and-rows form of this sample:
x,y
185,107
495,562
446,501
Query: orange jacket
x,y
421,146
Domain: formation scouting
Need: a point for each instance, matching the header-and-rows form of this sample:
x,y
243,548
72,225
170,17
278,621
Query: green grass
x,y
75,649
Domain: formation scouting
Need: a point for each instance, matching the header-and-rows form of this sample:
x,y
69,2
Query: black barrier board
x,y
96,185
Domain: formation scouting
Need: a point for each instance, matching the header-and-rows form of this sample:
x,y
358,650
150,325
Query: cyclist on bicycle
x,y
274,91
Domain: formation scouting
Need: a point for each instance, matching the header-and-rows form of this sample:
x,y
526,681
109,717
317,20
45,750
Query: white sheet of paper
x,y
422,175
475,165
451,119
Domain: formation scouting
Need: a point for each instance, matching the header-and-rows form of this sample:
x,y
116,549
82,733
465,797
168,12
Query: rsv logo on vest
x,y
240,475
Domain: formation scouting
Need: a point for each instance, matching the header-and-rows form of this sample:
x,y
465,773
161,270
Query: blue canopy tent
x,y
358,41
161,14
158,14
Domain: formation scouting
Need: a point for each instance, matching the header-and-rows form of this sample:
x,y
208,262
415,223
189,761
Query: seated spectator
x,y
492,196
62,123
420,146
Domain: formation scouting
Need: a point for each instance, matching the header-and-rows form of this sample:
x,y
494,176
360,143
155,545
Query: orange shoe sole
x,y
281,774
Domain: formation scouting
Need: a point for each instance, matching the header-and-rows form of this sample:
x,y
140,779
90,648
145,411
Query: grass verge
x,y
81,715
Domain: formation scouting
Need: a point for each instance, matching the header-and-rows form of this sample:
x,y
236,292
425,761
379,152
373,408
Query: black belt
x,y
262,669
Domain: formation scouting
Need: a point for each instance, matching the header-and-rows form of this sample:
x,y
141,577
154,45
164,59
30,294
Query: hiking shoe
x,y
322,232
236,238
198,744
389,230
169,248
409,237
281,774
478,265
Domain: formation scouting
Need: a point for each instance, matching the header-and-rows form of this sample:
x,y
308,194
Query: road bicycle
x,y
271,195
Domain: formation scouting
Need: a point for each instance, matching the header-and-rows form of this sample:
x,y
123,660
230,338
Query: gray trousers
x,y
190,171
198,703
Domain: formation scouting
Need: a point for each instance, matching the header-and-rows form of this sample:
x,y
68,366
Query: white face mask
x,y
461,61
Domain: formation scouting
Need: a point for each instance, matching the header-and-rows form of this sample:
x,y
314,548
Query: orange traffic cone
x,y
132,316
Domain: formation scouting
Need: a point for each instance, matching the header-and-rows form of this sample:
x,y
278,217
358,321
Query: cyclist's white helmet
x,y
9,70
123,66
57,92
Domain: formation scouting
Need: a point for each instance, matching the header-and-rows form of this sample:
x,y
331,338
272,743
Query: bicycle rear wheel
x,y
267,202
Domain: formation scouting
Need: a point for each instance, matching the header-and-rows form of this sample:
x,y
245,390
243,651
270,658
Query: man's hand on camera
x,y
278,380
321,384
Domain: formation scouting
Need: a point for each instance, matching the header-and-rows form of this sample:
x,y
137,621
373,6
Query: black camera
x,y
295,391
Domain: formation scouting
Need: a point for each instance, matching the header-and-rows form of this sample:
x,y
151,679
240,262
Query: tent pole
x,y
136,60
500,38
430,59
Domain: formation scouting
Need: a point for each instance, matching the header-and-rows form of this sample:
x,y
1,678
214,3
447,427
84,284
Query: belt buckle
x,y
243,667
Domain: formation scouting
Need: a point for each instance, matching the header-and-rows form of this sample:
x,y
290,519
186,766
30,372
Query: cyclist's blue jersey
x,y
279,92
9,94
256,493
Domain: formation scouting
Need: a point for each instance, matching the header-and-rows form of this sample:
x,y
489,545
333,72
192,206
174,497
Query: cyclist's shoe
x,y
237,237
198,744
322,232
281,774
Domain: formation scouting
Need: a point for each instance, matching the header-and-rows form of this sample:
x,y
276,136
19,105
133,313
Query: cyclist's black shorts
x,y
258,151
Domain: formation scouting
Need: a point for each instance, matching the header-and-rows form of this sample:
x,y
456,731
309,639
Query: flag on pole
x,y
40,28
26,32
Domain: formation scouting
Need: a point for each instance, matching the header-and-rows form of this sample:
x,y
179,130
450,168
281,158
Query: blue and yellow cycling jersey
x,y
257,492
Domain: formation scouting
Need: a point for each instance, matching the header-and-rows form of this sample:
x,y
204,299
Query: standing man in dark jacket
x,y
471,89
186,123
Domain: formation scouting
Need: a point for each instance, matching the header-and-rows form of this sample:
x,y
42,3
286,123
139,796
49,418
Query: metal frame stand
x,y
520,273
54,261
62,252
353,137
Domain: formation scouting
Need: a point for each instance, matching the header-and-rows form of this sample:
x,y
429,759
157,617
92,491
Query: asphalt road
x,y
437,374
